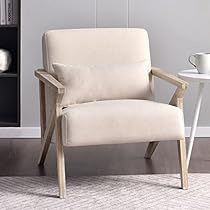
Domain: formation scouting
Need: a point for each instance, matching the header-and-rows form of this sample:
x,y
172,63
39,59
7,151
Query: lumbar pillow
x,y
104,82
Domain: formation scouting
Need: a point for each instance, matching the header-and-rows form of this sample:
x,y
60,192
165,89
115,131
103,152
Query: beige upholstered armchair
x,y
97,88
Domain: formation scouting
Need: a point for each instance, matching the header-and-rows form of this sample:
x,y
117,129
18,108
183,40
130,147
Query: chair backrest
x,y
93,46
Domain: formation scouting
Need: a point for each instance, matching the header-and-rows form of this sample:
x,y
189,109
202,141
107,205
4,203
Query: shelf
x,y
9,26
10,80
9,124
8,75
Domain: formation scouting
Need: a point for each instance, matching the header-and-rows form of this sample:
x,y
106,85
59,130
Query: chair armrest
x,y
177,98
169,78
49,80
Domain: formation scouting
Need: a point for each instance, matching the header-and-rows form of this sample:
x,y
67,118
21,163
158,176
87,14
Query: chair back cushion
x,y
104,82
93,47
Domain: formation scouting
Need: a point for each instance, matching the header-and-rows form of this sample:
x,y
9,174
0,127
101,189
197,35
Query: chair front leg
x,y
181,144
183,163
60,156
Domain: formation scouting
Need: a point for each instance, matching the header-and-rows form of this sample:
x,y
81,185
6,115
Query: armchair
x,y
133,119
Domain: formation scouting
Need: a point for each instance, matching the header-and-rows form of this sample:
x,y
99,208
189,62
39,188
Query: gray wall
x,y
176,29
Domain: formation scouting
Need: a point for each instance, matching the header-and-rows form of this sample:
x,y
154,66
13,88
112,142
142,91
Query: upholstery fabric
x,y
95,46
104,82
91,47
120,121
108,121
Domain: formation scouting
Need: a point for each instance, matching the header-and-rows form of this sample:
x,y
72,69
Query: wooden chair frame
x,y
46,79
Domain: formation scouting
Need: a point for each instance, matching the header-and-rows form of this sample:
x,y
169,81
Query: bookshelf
x,y
10,79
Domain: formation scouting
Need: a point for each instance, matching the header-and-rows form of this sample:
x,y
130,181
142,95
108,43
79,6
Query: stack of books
x,y
8,12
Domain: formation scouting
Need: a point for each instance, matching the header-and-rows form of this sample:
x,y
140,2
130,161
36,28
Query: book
x,y
9,12
15,12
2,12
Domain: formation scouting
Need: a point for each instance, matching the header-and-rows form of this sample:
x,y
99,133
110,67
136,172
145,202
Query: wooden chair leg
x,y
150,149
42,109
183,163
60,162
47,139
44,151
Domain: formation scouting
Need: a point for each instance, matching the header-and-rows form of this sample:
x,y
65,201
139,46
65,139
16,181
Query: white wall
x,y
176,29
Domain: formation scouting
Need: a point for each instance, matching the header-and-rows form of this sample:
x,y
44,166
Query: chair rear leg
x,y
46,139
183,163
150,149
44,150
60,162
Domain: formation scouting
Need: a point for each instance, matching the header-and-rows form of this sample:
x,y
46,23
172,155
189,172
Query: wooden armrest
x,y
169,78
49,80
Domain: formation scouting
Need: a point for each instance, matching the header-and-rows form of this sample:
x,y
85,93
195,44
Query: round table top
x,y
193,75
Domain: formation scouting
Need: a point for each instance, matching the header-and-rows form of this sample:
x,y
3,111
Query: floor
x,y
19,158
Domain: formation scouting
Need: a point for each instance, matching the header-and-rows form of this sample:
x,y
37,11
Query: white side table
x,y
193,76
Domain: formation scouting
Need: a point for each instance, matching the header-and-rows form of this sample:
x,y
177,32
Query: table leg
x,y
195,121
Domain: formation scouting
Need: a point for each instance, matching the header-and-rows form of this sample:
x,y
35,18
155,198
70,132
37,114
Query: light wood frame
x,y
46,79
54,123
176,100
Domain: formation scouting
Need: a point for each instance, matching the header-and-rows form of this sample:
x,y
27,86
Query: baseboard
x,y
20,132
34,132
200,132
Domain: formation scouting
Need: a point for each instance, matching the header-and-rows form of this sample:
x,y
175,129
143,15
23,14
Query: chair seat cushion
x,y
120,121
